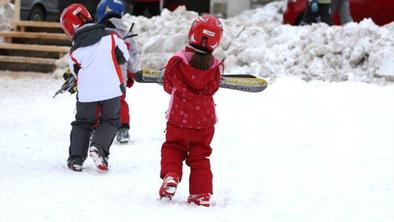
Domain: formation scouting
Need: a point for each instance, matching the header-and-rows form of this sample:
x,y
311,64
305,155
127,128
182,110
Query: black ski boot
x,y
123,136
75,163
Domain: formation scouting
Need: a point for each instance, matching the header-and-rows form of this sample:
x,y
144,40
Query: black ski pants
x,y
86,118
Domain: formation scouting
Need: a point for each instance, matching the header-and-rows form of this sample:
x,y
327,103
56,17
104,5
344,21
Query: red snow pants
x,y
124,111
192,145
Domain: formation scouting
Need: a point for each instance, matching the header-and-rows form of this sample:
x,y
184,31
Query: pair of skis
x,y
241,82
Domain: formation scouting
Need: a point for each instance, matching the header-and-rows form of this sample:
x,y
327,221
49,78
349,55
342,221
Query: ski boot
x,y
123,136
99,157
75,163
168,188
202,199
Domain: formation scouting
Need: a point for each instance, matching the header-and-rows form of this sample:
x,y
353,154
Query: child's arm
x,y
122,55
167,81
168,76
132,50
73,63
132,62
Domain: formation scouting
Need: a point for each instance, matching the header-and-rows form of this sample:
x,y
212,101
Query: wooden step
x,y
35,35
37,24
62,50
28,60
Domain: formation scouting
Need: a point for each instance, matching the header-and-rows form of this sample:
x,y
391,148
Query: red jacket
x,y
191,90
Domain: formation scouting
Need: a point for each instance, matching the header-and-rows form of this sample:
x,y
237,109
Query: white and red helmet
x,y
205,33
73,17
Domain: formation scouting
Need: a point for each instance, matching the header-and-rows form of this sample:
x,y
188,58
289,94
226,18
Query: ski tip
x,y
138,76
263,88
148,76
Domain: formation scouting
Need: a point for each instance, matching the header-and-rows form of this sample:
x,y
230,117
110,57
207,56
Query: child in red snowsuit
x,y
192,76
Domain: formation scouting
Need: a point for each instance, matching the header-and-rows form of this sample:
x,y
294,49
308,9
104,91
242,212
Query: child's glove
x,y
73,88
130,79
67,74
71,83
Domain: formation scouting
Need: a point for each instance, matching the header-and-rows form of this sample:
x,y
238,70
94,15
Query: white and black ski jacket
x,y
95,59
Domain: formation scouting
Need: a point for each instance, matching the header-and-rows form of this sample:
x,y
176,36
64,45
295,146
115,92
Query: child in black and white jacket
x,y
95,59
109,13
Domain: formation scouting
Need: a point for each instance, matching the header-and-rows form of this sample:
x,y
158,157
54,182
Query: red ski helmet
x,y
205,33
73,17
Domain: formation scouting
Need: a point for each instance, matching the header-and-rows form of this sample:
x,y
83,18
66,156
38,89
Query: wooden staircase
x,y
33,46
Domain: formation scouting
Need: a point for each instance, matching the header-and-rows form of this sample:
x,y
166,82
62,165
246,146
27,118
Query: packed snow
x,y
256,42
315,150
298,151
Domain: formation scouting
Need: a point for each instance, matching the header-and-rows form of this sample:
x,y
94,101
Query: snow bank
x,y
256,42
161,36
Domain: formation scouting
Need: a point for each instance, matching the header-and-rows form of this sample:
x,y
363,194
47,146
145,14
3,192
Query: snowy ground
x,y
298,151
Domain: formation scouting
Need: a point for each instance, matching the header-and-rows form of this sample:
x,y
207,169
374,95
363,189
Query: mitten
x,y
71,83
73,88
67,74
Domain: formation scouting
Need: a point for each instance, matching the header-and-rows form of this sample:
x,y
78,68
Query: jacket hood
x,y
121,27
88,34
195,78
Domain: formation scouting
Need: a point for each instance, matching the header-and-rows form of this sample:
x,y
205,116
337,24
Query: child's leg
x,y
324,10
334,6
109,124
344,12
123,136
173,151
81,129
200,168
98,113
308,16
124,112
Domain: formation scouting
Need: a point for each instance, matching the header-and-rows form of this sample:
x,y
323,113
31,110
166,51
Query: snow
x,y
299,151
256,42
315,150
